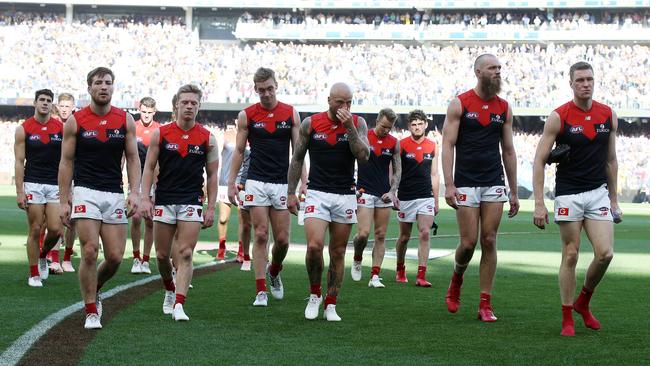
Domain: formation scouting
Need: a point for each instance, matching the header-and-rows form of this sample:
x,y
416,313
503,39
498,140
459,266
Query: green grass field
x,y
400,324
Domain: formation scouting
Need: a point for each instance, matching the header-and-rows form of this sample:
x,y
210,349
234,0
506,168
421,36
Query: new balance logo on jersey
x,y
80,209
103,122
185,137
158,212
587,118
563,211
43,128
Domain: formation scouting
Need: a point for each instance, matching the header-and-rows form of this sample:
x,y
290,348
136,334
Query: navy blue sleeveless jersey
x,y
42,150
100,146
416,168
373,175
182,159
331,166
587,133
478,158
143,135
269,136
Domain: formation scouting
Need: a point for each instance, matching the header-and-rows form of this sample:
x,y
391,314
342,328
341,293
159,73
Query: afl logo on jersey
x,y
410,156
576,129
471,115
139,139
89,134
34,137
258,125
320,136
172,147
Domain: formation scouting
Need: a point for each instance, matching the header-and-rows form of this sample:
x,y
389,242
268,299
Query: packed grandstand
x,y
154,50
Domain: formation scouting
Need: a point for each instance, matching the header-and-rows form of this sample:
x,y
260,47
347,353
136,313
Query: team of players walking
x,y
72,173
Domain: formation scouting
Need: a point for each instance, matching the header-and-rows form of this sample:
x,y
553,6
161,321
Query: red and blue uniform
x,y
478,158
269,136
415,182
42,150
587,133
182,159
100,146
143,135
373,175
331,168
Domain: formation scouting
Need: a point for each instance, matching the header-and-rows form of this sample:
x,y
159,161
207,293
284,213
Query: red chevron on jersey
x,y
425,150
112,125
588,123
381,146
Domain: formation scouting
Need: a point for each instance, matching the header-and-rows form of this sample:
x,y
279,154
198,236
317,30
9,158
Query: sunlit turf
x,y
396,325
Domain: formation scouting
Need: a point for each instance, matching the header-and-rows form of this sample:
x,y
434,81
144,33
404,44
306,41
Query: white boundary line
x,y
18,349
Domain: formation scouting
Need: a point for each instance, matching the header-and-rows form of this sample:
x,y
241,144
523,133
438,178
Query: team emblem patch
x,y
563,211
80,209
604,211
119,213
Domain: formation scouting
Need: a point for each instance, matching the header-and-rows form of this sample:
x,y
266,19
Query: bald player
x,y
476,137
335,139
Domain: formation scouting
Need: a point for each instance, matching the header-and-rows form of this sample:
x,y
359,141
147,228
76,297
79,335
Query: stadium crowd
x,y
162,57
560,19
8,17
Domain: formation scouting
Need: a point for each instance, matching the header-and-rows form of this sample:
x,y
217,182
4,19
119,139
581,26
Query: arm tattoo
x,y
358,140
298,158
397,169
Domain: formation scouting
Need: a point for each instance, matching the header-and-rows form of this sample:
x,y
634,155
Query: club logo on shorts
x,y
361,201
310,209
171,147
158,212
190,211
462,197
119,213
80,209
283,198
429,208
248,198
604,211
576,129
401,215
349,211
89,134
471,115
563,211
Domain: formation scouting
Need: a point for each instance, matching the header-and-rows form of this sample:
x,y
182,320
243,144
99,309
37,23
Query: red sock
x,y
180,299
222,243
401,266
274,269
41,239
33,271
145,258
67,254
169,285
42,254
91,308
240,251
581,306
330,300
358,258
374,271
567,321
136,255
55,256
315,290
422,271
457,279
485,300
261,284
247,257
